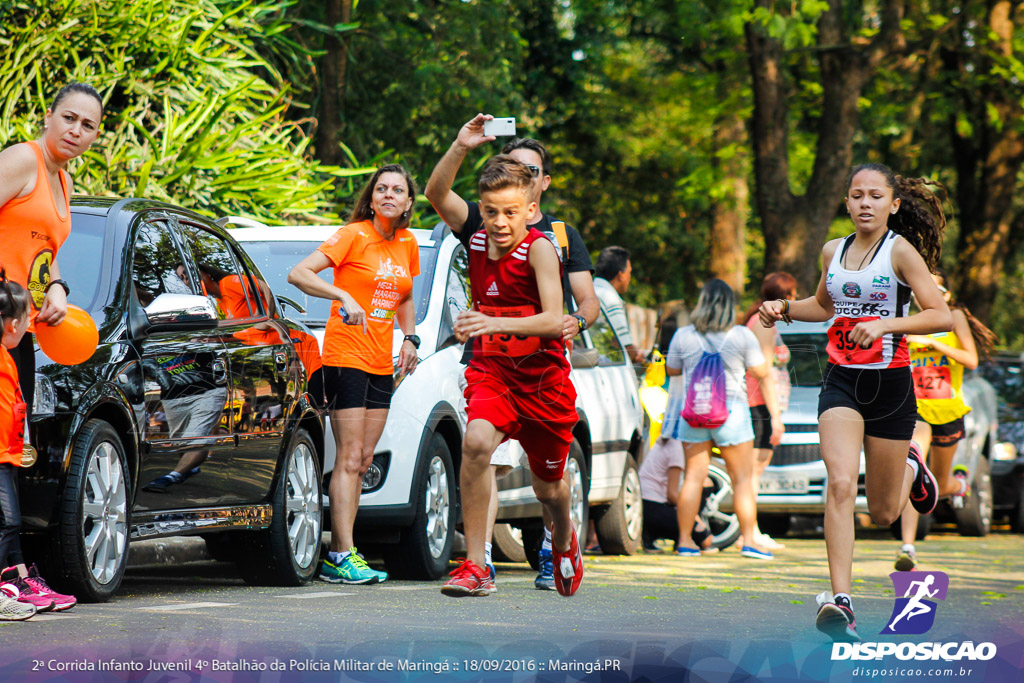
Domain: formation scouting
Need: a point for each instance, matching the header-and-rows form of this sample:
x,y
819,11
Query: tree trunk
x,y
332,100
729,213
795,227
988,164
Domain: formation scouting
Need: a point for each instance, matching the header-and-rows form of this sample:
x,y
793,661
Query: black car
x,y
1006,373
196,372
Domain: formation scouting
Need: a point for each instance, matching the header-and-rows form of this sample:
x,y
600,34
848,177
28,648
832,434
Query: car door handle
x,y
220,372
281,361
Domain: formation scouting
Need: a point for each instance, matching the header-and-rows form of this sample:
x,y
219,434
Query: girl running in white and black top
x,y
867,396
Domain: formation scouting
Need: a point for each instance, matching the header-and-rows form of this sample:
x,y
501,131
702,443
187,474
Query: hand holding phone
x,y
500,127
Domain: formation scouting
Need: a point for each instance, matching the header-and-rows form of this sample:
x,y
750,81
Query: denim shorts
x,y
736,430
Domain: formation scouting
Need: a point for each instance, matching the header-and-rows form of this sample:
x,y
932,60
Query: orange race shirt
x,y
378,274
12,412
31,232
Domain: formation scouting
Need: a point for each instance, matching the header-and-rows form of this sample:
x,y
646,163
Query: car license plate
x,y
782,484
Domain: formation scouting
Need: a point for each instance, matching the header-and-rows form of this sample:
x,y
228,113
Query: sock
x,y
337,558
843,599
487,553
908,547
177,477
546,545
914,467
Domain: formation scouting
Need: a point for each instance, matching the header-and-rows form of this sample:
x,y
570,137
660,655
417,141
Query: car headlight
x,y
1004,450
46,397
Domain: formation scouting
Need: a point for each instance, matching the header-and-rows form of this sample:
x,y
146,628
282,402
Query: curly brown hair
x,y
920,219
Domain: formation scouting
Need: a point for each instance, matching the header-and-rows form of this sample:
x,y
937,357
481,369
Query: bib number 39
x,y
842,350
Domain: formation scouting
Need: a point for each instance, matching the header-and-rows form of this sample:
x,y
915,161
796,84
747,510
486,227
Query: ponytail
x,y
14,299
985,340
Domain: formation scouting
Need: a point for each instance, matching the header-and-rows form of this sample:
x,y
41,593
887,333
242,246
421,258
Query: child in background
x,y
22,591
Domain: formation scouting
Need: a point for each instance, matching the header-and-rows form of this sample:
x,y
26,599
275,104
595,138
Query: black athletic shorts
x,y
761,420
949,433
352,388
884,398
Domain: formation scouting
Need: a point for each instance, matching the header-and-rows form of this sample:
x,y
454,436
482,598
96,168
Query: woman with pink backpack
x,y
707,362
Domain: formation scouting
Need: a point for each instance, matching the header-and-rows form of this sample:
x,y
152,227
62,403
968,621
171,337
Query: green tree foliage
x,y
195,94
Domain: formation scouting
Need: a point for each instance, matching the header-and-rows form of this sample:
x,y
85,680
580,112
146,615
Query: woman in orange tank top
x,y
35,219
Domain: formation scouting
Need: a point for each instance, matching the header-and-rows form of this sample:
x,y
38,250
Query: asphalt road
x,y
652,615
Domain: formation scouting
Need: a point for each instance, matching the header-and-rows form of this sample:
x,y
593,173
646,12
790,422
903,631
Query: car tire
x,y
93,531
725,528
620,528
507,544
579,491
288,552
426,545
975,518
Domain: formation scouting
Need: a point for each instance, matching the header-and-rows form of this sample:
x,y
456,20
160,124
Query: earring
x,y
371,212
405,214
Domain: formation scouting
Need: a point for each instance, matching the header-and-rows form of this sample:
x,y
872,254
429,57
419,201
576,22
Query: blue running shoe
x,y
751,551
352,570
545,580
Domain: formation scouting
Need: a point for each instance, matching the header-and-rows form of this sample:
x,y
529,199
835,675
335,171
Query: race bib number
x,y
512,345
930,382
842,350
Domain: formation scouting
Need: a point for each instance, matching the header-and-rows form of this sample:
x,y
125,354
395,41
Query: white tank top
x,y
865,295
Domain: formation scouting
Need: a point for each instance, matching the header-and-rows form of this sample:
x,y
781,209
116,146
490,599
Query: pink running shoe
x,y
61,602
18,588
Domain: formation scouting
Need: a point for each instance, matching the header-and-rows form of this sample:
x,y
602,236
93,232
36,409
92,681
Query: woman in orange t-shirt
x,y
374,259
35,218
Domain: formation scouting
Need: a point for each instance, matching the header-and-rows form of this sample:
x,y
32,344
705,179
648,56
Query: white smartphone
x,y
500,127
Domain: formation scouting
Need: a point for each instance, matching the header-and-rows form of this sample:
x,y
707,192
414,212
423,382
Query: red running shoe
x,y
568,568
924,490
21,590
61,602
468,579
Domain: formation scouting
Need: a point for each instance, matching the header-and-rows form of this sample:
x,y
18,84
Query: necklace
x,y
860,266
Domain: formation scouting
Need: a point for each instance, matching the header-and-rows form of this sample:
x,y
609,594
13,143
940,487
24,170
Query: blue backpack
x,y
706,406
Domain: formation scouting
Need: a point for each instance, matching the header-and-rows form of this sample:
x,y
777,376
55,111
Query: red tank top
x,y
32,230
508,288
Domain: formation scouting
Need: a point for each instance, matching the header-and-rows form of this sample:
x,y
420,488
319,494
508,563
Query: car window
x,y
157,265
79,256
458,293
807,357
276,259
219,274
603,337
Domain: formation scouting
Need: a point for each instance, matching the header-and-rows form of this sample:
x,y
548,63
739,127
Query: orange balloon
x,y
71,342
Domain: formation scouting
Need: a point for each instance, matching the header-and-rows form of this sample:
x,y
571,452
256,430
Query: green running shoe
x,y
353,569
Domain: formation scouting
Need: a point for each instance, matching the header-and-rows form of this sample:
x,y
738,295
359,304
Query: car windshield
x,y
1007,378
276,259
807,358
79,257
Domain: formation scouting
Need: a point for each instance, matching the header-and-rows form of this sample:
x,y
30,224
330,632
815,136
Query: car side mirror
x,y
583,358
181,312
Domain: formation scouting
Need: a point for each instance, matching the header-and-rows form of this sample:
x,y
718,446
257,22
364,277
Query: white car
x,y
409,504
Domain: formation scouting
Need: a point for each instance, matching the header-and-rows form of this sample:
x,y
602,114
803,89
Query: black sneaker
x,y
836,619
924,491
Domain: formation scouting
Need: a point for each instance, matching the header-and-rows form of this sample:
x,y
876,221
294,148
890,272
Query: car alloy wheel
x,y
437,501
104,512
303,505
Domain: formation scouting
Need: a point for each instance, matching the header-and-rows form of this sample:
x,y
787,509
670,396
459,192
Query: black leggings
x,y
10,518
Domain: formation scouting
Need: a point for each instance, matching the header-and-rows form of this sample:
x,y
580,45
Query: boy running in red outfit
x,y
518,379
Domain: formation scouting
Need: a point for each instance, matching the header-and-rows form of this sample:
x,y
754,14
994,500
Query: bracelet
x,y
785,312
51,283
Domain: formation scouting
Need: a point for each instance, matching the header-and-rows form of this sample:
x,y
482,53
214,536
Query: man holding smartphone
x,y
465,219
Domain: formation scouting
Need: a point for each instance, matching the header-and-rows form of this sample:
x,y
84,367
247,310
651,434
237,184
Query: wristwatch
x,y
51,283
581,321
413,339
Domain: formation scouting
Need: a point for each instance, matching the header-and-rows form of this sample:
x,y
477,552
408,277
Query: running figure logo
x,y
913,614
